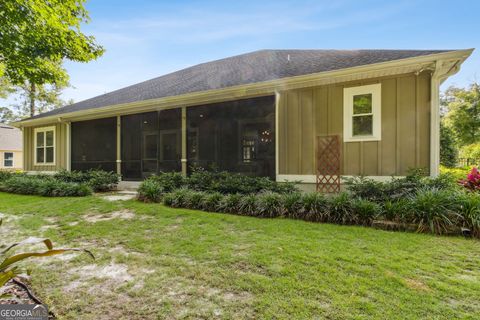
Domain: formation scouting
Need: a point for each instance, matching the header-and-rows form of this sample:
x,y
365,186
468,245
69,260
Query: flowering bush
x,y
473,180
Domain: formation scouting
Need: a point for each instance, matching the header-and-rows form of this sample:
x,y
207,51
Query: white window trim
x,y
5,158
44,129
348,93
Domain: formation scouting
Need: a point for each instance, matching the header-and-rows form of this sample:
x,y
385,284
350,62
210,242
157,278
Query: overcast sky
x,y
146,39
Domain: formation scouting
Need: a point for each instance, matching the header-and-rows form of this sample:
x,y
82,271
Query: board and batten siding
x,y
60,148
306,113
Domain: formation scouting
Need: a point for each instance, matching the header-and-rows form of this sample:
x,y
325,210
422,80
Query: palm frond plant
x,y
9,265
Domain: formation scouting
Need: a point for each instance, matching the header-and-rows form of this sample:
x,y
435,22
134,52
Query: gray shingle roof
x,y
258,66
10,138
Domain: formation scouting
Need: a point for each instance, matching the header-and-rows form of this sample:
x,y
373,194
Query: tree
x,y
36,36
448,149
463,113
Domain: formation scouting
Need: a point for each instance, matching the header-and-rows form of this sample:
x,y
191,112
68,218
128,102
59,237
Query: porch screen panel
x,y
151,143
236,136
93,144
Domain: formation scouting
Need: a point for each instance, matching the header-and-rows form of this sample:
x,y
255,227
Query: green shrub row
x,y
398,188
98,180
211,181
62,184
44,186
429,209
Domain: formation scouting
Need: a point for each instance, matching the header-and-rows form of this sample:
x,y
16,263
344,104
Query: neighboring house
x,y
10,148
258,113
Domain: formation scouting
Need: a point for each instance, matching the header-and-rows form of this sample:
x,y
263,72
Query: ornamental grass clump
x,y
315,207
268,205
435,211
230,203
293,205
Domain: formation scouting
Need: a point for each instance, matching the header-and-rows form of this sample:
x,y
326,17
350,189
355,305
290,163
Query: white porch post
x,y
435,124
119,145
69,147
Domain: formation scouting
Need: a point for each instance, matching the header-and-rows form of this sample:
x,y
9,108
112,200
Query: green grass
x,y
184,264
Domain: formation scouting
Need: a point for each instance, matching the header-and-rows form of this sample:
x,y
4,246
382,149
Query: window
x,y
362,113
8,159
45,146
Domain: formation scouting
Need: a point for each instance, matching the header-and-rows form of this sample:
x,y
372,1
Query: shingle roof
x,y
258,66
10,138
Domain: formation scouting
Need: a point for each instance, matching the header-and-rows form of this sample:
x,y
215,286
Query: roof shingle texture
x,y
10,138
258,66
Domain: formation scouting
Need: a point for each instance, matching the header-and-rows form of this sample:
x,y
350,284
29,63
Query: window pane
x,y
363,126
49,138
362,103
49,152
40,155
40,139
8,159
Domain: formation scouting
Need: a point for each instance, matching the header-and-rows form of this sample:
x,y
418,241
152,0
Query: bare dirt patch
x,y
123,214
416,285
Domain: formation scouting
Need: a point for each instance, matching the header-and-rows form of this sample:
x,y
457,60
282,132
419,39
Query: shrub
x,y
472,182
315,207
176,199
194,199
293,206
339,208
363,212
150,191
268,205
230,183
47,187
434,210
470,212
398,211
101,181
247,205
397,188
98,180
5,175
230,203
169,181
210,202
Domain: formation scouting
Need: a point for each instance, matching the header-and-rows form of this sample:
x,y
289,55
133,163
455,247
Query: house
x,y
260,114
11,157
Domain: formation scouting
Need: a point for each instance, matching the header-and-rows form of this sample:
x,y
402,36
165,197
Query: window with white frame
x,y
362,113
45,146
8,159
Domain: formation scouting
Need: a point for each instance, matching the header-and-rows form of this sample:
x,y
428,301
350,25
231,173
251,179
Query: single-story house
x,y
11,157
260,114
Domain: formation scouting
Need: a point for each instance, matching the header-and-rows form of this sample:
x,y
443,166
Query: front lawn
x,y
158,262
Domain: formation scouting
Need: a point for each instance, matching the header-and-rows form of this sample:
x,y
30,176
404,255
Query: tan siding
x,y
405,127
60,149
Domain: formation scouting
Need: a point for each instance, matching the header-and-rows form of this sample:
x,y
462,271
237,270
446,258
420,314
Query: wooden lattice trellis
x,y
328,164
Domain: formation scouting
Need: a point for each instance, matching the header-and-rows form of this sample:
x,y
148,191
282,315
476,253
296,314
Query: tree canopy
x,y
37,35
463,113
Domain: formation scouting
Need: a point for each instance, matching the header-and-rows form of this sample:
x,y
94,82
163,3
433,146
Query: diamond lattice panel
x,y
328,164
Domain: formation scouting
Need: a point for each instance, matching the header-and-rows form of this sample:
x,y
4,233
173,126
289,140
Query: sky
x,y
146,39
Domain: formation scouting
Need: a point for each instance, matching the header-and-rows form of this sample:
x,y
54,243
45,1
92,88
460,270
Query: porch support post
x,y
184,141
119,145
443,69
69,147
